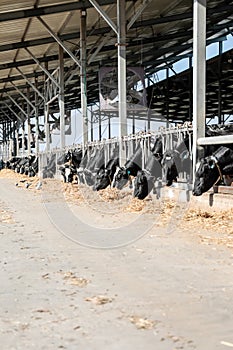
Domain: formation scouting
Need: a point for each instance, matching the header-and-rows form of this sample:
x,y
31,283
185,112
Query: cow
x,y
70,162
82,166
50,169
212,168
95,162
175,161
104,176
130,168
145,179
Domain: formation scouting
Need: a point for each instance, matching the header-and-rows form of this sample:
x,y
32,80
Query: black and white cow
x,y
104,176
95,162
145,179
212,168
131,167
175,161
50,169
70,162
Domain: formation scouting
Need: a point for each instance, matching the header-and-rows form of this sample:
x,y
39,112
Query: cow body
x,y
212,168
131,167
145,179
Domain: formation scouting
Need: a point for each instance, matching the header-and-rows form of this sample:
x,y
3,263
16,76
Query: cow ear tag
x,y
211,164
128,172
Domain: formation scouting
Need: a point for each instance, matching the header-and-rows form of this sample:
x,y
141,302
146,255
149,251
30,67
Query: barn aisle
x,y
163,291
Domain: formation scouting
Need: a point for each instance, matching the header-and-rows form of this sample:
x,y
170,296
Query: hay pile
x,y
220,221
5,217
20,179
113,194
72,193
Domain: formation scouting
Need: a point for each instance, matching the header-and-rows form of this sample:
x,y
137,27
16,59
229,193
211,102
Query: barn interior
x,y
52,53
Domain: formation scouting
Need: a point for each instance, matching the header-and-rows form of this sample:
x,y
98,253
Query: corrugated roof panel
x,y
12,31
6,57
9,5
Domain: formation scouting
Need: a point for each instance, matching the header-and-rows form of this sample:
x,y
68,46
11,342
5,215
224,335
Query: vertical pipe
x,y
199,76
17,138
190,88
61,98
220,119
92,132
100,128
28,121
37,118
83,80
167,98
109,127
47,129
121,44
23,138
133,125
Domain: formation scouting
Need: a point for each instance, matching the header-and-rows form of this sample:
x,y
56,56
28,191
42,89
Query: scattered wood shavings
x,y
74,280
142,323
99,300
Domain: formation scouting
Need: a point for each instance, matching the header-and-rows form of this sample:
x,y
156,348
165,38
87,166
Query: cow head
x,y
102,180
121,178
206,175
143,184
170,164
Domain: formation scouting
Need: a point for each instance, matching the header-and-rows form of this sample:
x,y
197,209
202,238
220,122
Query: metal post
x,y
28,122
92,134
83,79
37,119
17,138
199,76
47,129
121,44
109,127
190,88
23,138
219,84
61,98
100,129
167,97
133,125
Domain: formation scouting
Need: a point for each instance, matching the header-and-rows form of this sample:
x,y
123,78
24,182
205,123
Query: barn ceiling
x,y
161,35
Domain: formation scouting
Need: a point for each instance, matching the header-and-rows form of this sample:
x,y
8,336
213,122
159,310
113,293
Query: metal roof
x,y
160,35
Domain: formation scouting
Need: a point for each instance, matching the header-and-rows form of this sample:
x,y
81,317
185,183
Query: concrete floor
x,y
180,290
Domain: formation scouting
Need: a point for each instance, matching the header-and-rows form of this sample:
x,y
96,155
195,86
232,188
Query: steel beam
x,y
83,77
42,68
139,11
47,128
18,118
22,94
29,83
121,45
61,99
215,140
59,41
28,122
199,76
104,15
17,105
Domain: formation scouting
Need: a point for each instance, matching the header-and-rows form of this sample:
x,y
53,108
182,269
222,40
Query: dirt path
x,y
164,291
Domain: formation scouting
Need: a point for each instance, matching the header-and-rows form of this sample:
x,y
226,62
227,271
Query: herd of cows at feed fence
x,y
153,159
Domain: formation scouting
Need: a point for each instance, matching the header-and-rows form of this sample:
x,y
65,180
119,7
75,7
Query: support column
x,y
47,129
37,148
23,138
100,128
17,138
28,122
61,98
220,119
121,44
109,127
199,76
83,80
